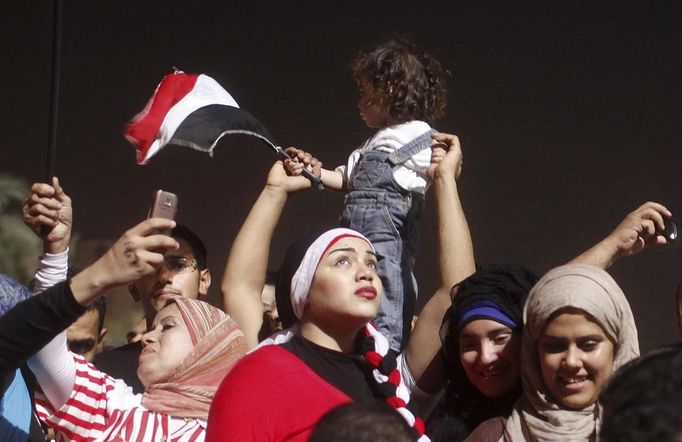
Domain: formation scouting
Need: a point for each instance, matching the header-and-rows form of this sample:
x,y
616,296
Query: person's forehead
x,y
570,323
483,327
358,245
364,84
169,310
184,250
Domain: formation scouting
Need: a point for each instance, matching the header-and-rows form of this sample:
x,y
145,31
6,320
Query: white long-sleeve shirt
x,y
82,403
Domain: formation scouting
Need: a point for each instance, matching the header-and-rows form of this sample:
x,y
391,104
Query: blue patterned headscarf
x,y
11,293
15,419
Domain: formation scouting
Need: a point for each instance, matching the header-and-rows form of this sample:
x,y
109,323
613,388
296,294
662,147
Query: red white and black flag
x,y
190,110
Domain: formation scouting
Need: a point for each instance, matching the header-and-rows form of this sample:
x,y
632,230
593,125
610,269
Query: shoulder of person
x,y
266,361
409,129
490,430
397,134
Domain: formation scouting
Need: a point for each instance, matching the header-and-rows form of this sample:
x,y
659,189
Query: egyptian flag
x,y
190,110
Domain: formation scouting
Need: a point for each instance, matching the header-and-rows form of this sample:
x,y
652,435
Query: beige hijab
x,y
536,416
218,345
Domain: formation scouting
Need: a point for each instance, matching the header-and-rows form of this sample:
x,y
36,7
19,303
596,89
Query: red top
x,y
270,395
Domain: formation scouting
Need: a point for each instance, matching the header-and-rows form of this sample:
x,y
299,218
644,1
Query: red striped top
x,y
101,408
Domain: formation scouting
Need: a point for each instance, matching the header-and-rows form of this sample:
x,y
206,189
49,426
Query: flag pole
x,y
54,90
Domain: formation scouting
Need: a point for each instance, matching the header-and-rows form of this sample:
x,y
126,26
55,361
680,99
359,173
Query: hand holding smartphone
x,y
164,205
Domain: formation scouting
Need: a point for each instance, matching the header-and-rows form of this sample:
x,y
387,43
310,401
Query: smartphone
x,y
670,230
164,205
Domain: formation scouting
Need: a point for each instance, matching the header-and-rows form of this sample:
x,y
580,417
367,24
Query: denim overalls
x,y
389,216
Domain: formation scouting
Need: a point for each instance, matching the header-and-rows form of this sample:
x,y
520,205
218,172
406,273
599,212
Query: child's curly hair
x,y
410,81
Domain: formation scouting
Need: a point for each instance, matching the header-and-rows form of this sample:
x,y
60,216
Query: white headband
x,y
303,278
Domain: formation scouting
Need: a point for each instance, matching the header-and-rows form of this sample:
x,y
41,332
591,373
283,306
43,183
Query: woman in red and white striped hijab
x,y
187,352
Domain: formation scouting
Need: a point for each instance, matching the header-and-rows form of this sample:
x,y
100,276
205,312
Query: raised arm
x,y
137,253
48,212
246,266
456,261
31,324
332,179
638,231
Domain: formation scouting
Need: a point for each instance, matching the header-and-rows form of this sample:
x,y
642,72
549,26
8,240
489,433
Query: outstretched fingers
x,y
139,251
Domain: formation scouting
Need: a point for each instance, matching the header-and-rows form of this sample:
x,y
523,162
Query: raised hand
x,y
48,212
137,253
301,160
446,156
280,178
638,231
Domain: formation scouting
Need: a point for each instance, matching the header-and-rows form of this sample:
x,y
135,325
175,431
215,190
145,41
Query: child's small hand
x,y
300,160
279,178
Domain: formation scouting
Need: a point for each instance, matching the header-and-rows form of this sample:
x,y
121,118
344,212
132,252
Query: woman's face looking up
x,y
346,286
490,353
576,359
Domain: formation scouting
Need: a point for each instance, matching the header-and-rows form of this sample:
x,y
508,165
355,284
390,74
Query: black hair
x,y
507,285
271,277
195,243
643,400
410,81
292,260
363,422
100,304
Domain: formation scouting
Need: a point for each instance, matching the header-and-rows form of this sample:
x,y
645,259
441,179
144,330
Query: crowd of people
x,y
326,348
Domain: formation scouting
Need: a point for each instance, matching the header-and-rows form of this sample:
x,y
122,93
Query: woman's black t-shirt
x,y
350,373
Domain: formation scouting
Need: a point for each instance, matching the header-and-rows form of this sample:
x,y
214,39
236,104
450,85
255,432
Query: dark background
x,y
569,115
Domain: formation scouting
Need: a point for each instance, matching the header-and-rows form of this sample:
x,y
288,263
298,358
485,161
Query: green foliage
x,y
19,247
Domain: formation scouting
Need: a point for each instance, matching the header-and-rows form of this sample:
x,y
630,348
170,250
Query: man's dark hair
x,y
271,277
195,243
643,400
410,81
100,304
363,422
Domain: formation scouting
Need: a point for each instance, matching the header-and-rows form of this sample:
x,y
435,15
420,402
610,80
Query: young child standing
x,y
402,91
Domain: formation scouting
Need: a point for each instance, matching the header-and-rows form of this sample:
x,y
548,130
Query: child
x,y
402,89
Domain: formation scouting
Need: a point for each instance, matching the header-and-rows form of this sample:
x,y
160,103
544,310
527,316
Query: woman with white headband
x,y
327,294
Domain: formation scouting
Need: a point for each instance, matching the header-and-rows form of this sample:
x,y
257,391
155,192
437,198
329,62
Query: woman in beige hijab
x,y
579,330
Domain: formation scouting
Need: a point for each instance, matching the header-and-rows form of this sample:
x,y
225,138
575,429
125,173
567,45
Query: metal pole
x,y
54,90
